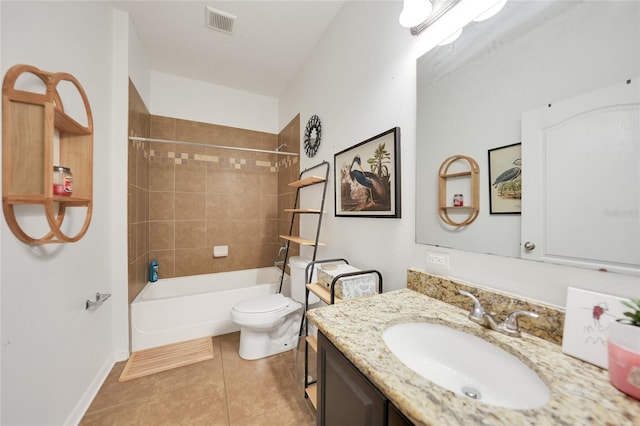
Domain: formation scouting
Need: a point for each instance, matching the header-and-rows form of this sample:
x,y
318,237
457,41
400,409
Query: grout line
x,y
224,380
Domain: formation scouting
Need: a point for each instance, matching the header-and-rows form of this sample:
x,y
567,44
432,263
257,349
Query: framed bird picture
x,y
505,180
367,177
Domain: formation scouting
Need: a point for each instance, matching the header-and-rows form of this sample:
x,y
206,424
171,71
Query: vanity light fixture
x,y
478,12
414,12
436,11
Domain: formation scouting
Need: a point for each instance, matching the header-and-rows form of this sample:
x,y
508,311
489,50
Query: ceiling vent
x,y
219,20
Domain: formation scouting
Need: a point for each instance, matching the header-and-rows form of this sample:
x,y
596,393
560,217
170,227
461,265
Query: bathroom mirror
x,y
472,94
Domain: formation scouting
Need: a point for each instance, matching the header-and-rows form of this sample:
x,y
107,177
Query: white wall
x,y
55,354
179,97
139,71
361,80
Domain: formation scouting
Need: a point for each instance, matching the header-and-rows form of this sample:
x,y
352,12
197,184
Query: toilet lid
x,y
263,304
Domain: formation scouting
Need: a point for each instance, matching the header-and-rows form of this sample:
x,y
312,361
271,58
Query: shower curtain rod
x,y
204,145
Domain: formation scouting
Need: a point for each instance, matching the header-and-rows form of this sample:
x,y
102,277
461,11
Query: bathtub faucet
x,y
283,248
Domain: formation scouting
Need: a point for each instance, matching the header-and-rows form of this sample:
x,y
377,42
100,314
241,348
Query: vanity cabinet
x,y
346,397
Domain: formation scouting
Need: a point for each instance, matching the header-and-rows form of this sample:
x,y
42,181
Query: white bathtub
x,y
177,309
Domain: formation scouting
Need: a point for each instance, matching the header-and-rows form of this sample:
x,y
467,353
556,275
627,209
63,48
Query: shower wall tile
x,y
190,234
246,232
190,133
267,251
137,277
141,204
220,232
142,239
268,184
247,207
162,205
192,261
142,166
137,194
248,184
162,127
269,206
166,262
216,196
161,173
269,142
162,235
220,181
247,256
220,206
190,206
269,231
191,177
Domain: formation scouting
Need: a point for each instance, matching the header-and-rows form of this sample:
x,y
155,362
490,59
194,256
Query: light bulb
x,y
414,12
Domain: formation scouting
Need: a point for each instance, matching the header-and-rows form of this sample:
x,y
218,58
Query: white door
x,y
581,180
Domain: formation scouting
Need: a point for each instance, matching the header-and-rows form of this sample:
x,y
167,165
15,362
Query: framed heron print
x,y
367,177
505,180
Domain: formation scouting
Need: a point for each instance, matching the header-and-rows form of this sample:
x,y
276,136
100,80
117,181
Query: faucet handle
x,y
511,321
477,313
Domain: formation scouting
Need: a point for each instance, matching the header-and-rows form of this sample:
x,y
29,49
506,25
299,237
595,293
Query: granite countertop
x,y
580,392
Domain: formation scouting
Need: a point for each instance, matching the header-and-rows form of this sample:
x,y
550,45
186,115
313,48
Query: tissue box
x,y
347,287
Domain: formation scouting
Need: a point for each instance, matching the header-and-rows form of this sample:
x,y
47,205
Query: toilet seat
x,y
263,312
263,304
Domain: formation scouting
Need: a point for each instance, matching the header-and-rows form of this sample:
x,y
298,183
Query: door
x,y
581,180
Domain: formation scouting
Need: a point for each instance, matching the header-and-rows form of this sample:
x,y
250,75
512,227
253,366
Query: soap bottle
x,y
153,271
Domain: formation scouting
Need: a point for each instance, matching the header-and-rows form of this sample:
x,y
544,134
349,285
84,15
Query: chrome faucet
x,y
278,262
487,319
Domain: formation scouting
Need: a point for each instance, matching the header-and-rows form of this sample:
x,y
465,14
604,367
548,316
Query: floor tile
x,y
226,390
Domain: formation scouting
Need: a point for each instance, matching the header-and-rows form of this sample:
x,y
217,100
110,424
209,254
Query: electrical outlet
x,y
439,260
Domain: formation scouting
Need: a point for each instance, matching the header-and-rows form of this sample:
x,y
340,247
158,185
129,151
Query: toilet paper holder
x,y
100,298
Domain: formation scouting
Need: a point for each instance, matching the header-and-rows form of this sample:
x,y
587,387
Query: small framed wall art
x,y
367,177
505,180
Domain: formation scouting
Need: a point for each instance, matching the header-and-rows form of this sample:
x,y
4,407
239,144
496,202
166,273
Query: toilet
x,y
270,324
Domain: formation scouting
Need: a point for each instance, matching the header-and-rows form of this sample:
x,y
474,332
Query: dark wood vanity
x,y
346,397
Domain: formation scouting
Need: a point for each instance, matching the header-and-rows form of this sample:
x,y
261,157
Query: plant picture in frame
x,y
505,180
367,177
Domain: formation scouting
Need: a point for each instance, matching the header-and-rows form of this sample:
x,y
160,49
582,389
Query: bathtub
x,y
173,310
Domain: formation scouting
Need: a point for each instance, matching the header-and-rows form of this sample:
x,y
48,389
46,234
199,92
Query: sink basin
x,y
467,365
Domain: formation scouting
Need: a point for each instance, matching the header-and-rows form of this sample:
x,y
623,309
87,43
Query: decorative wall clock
x,y
312,136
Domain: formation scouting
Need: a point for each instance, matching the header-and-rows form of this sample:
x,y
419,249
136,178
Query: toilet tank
x,y
297,267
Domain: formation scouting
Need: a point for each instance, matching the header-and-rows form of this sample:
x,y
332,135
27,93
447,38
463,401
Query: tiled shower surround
x,y
201,197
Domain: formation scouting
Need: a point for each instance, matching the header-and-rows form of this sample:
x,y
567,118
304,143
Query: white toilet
x,y
270,324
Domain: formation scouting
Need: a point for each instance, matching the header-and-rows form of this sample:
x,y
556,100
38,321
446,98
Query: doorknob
x,y
529,245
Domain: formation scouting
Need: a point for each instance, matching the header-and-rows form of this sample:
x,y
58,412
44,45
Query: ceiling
x,y
270,40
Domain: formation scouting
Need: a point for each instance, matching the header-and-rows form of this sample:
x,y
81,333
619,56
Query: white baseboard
x,y
121,356
82,406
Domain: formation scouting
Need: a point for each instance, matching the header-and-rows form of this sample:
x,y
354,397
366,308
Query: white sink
x,y
467,365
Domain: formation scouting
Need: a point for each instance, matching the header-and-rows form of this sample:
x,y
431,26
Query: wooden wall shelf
x,y
473,209
31,123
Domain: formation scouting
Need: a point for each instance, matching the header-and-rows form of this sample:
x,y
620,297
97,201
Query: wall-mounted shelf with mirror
x,y
38,134
471,97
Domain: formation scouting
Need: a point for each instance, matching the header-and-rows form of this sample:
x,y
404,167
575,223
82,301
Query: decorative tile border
x,y
547,326
190,158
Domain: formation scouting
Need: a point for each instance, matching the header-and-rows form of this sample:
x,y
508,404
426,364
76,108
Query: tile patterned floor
x,y
225,390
